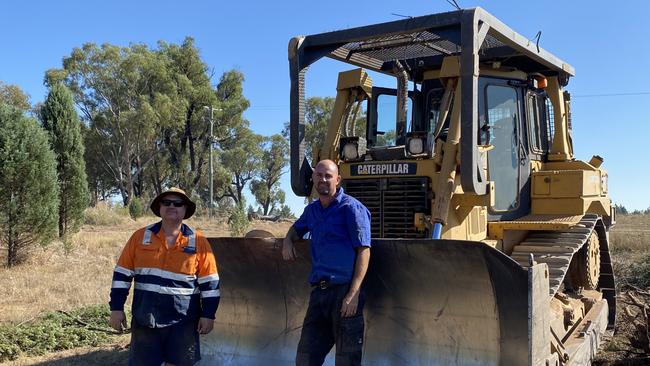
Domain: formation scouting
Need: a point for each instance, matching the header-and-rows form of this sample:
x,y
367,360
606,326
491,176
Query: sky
x,y
606,42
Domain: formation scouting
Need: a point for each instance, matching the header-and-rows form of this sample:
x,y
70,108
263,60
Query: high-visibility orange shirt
x,y
172,284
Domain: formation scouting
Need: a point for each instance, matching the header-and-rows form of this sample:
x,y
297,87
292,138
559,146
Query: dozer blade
x,y
429,302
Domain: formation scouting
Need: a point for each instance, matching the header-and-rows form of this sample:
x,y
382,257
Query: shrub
x,y
640,272
285,212
55,332
238,221
103,214
136,208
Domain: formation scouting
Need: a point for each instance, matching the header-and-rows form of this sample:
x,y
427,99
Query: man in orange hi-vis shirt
x,y
176,292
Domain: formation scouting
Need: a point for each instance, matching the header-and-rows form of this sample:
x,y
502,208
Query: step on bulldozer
x,y
490,239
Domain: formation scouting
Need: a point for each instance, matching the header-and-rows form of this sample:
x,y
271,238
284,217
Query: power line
x,y
283,107
610,95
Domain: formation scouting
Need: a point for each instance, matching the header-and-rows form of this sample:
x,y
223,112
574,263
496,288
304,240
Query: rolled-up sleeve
x,y
358,222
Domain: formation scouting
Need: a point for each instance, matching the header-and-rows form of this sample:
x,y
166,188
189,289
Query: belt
x,y
324,284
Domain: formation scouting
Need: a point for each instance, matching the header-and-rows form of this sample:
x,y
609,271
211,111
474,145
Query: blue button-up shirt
x,y
336,232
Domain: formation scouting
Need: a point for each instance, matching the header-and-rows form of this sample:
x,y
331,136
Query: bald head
x,y
328,164
326,178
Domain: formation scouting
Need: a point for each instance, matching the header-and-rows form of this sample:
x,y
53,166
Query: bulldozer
x,y
490,239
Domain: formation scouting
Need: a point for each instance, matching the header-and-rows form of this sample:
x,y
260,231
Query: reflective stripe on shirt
x,y
124,271
164,274
121,284
211,293
214,277
166,290
146,239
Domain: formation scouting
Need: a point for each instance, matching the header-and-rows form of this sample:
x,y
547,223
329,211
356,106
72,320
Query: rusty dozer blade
x,y
429,302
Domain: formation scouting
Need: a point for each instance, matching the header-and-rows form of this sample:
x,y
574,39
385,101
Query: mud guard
x,y
429,302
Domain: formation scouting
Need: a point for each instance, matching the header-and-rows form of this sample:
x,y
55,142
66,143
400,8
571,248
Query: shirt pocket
x,y
147,256
183,261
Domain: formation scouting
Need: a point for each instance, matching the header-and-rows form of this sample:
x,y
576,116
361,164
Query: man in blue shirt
x,y
340,249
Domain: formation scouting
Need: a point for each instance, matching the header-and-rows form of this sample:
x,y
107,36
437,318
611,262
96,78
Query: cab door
x,y
501,121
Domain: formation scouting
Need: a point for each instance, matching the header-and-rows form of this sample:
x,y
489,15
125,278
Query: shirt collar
x,y
339,195
185,230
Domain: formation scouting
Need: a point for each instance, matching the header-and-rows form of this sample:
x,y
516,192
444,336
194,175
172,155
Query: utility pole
x,y
211,139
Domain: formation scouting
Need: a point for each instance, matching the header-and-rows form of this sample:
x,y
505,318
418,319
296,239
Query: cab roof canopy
x,y
420,44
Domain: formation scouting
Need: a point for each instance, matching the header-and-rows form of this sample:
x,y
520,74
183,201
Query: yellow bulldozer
x,y
491,240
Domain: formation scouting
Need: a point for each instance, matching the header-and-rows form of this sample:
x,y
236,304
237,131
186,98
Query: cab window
x,y
501,132
387,119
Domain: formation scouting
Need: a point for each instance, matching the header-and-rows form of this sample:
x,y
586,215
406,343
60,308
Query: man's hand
x,y
288,250
205,325
350,304
117,320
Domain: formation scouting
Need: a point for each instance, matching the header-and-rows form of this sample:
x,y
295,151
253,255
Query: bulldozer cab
x,y
514,128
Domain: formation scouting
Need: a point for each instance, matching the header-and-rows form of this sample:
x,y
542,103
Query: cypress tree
x,y
28,186
60,119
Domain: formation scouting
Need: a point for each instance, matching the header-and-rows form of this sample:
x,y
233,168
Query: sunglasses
x,y
168,203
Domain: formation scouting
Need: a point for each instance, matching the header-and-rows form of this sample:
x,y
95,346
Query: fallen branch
x,y
637,289
92,327
30,319
635,300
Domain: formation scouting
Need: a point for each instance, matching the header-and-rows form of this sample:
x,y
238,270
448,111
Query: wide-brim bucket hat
x,y
191,206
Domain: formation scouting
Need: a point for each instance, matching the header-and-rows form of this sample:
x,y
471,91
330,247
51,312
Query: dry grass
x,y
54,278
631,234
630,247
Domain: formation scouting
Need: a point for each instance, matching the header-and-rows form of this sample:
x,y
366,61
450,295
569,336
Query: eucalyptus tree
x,y
145,112
266,186
240,159
14,96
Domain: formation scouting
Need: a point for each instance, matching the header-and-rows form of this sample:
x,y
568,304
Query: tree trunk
x,y
155,178
266,204
12,251
190,140
126,165
95,195
61,221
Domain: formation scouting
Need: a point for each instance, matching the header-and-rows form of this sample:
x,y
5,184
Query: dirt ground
x,y
630,344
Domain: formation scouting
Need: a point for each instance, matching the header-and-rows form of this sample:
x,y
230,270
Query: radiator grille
x,y
393,203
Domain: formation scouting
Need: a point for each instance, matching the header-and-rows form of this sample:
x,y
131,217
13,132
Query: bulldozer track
x,y
557,248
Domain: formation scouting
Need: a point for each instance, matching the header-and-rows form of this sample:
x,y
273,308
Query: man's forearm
x,y
360,269
292,234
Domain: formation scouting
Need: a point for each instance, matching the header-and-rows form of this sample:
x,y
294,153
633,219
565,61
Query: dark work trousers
x,y
324,327
177,344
